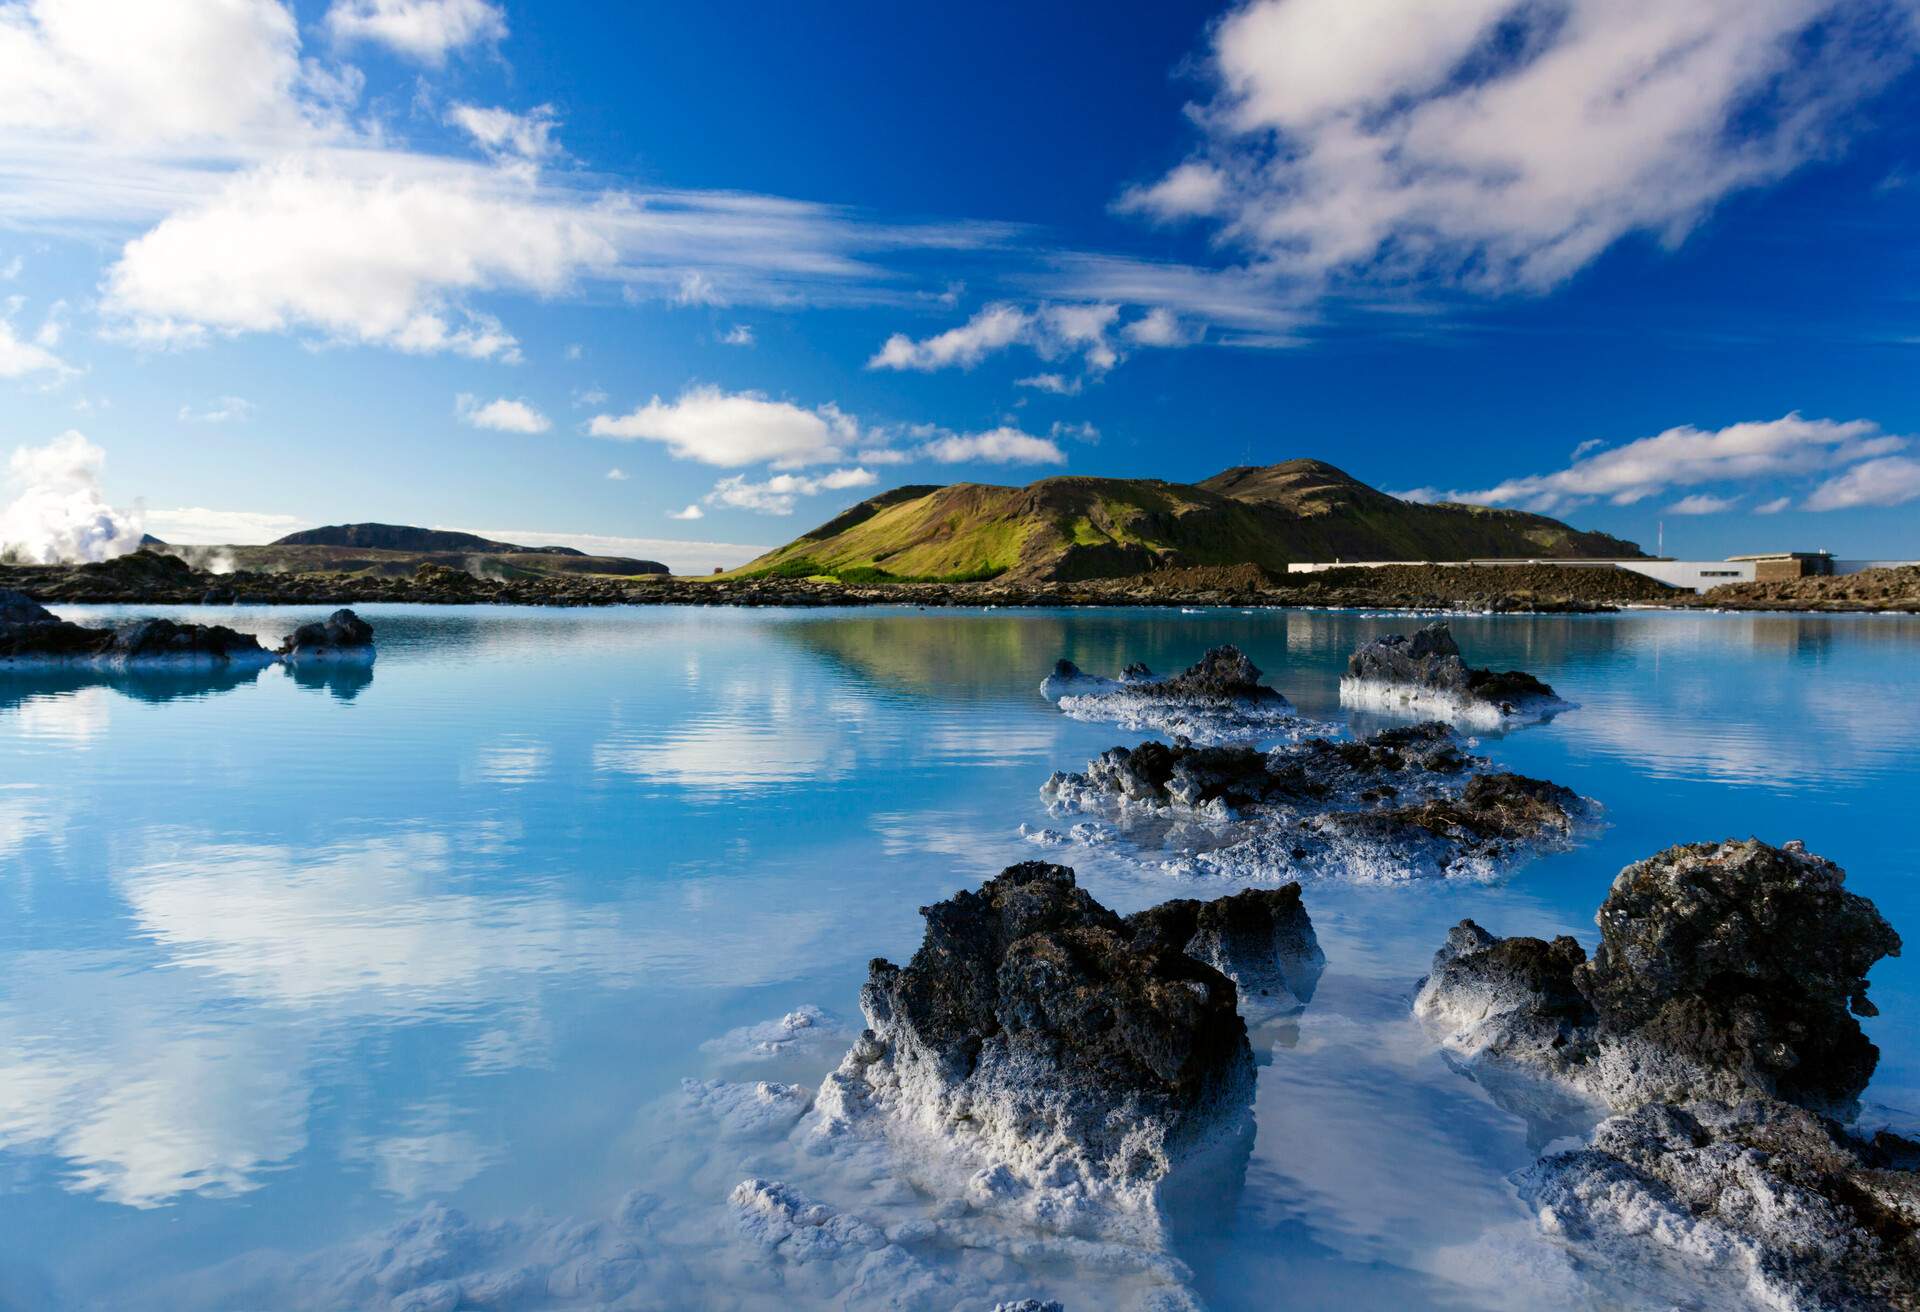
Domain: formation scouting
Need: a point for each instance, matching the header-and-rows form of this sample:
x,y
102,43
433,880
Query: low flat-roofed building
x,y
1696,575
1769,566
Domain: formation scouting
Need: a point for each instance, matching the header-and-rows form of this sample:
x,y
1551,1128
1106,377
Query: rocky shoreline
x,y
156,579
34,638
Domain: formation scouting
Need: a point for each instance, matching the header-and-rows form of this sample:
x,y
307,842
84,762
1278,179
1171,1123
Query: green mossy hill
x,y
1071,528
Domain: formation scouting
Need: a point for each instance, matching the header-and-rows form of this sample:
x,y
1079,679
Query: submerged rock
x,y
341,636
1220,697
1426,673
1074,1057
1406,801
1725,970
31,634
1772,1200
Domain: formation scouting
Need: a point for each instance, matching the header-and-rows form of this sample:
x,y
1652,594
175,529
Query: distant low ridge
x,y
1072,528
400,549
405,537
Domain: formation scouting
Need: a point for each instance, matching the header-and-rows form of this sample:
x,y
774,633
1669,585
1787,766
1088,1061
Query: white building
x,y
1699,575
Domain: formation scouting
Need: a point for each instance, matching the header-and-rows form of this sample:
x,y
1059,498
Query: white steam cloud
x,y
58,513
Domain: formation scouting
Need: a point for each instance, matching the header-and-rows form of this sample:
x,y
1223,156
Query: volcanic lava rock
x,y
30,633
1218,698
1498,805
341,636
1724,970
1405,801
1426,672
1315,770
1261,938
1224,674
1770,1199
1076,1056
1717,1014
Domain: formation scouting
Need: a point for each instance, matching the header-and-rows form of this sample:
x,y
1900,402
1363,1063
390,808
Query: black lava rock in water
x,y
1427,671
341,634
1724,970
1218,698
1074,1055
1225,672
166,640
30,632
1745,956
1404,802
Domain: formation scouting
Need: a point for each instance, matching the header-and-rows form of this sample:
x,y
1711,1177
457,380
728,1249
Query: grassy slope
x,y
1073,528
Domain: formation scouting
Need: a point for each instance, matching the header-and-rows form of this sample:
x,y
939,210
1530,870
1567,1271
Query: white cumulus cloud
x,y
1506,143
503,415
776,495
998,446
426,30
1887,481
1685,457
377,259
143,73
992,329
692,511
733,429
1050,331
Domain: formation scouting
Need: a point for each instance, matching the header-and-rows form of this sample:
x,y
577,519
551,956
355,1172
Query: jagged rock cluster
x,y
1426,673
31,634
1405,799
1218,698
1717,1014
1075,1055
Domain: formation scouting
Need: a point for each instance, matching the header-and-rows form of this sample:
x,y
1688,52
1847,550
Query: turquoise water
x,y
284,962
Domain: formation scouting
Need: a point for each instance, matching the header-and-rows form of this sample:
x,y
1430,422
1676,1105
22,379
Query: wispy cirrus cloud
x,y
220,410
229,192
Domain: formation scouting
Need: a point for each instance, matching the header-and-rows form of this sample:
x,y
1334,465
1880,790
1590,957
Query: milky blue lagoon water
x,y
284,963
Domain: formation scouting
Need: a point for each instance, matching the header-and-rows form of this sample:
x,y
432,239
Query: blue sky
x,y
456,262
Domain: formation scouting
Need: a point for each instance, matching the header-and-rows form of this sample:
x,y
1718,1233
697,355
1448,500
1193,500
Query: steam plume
x,y
58,513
